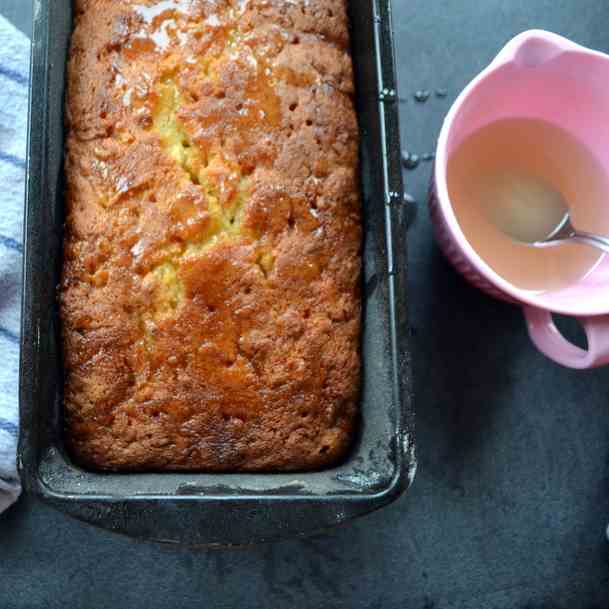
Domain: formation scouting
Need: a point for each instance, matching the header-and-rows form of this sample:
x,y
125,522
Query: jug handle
x,y
548,339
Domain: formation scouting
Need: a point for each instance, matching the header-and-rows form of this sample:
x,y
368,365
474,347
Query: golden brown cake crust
x,y
210,292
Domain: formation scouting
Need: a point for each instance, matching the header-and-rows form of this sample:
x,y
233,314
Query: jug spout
x,y
534,48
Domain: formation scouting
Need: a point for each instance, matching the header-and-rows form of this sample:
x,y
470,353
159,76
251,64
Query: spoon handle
x,y
597,241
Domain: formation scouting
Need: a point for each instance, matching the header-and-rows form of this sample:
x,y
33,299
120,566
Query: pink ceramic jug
x,y
537,75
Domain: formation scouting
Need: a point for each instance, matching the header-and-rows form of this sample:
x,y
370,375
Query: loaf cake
x,y
210,298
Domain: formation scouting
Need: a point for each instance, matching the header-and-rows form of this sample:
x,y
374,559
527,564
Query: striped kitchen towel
x,y
14,86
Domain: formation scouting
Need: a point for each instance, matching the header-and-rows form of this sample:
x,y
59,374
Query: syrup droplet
x,y
411,209
421,96
410,161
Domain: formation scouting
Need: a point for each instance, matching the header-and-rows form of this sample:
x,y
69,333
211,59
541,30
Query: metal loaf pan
x,y
223,509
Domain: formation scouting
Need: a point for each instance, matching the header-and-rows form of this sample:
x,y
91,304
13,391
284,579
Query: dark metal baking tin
x,y
223,509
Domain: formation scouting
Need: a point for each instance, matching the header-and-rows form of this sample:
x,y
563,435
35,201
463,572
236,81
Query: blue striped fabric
x,y
14,75
8,427
14,62
12,244
10,159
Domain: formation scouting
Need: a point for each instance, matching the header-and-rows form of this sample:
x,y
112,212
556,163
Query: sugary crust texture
x,y
210,293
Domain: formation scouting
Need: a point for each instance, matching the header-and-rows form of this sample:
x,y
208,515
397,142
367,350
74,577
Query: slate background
x,y
511,500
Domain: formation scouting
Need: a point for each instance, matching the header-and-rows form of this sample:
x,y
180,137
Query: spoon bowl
x,y
565,231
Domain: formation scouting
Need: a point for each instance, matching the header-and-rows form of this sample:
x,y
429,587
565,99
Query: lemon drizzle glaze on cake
x,y
165,25
216,275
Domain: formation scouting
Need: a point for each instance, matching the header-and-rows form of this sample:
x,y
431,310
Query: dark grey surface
x,y
511,499
18,12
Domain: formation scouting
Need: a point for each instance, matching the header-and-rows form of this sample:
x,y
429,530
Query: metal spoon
x,y
565,231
